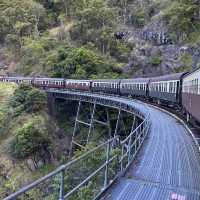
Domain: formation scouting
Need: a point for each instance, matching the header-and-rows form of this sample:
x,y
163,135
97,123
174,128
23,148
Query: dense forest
x,y
71,39
76,39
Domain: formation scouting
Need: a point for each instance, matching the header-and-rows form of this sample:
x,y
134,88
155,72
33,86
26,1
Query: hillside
x,y
31,142
75,39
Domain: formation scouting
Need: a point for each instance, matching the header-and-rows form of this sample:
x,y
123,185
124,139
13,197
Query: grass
x,y
6,90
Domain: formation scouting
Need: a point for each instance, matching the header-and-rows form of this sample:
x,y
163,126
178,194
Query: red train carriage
x,y
49,82
191,94
77,84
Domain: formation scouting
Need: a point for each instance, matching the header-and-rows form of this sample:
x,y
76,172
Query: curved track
x,y
168,167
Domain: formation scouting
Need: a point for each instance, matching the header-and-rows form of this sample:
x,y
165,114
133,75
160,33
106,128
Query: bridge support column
x,y
91,125
75,127
117,123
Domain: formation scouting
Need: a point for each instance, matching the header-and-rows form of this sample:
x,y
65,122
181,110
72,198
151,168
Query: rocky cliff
x,y
156,53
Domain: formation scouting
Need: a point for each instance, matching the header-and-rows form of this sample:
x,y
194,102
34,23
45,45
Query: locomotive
x,y
180,89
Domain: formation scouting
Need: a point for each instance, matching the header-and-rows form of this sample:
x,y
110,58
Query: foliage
x,y
20,18
155,60
95,23
6,91
186,61
182,17
36,100
138,18
31,140
120,51
84,29
29,99
70,62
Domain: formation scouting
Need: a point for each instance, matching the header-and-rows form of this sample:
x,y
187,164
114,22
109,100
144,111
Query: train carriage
x,y
73,84
166,89
107,86
18,80
134,87
49,82
191,94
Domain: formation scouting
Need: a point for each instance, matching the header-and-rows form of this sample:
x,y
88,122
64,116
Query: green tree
x,y
20,18
20,95
79,63
93,21
183,18
31,140
36,100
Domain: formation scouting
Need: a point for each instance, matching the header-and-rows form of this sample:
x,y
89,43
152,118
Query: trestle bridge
x,y
157,160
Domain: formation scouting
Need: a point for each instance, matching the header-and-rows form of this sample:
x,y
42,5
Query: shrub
x,y
156,60
29,99
36,100
31,140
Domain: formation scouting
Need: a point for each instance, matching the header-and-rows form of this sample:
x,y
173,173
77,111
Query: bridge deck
x,y
167,167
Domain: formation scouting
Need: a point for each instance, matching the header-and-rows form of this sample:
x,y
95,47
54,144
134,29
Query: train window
x,y
170,87
175,86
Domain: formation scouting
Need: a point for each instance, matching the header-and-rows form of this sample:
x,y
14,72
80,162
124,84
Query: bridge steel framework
x,y
118,154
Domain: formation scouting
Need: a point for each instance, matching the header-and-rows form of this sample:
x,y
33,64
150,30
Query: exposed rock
x,y
154,52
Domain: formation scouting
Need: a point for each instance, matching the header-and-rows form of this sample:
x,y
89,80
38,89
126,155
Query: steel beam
x,y
91,122
75,127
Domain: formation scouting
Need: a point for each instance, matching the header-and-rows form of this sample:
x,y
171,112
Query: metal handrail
x,y
57,171
129,148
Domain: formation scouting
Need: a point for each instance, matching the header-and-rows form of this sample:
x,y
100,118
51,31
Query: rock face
x,y
156,54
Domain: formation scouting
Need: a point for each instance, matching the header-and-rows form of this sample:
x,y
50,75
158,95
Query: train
x,y
180,90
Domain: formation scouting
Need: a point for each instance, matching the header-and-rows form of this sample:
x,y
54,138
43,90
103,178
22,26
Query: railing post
x,y
129,149
61,192
136,140
117,124
140,134
122,157
107,163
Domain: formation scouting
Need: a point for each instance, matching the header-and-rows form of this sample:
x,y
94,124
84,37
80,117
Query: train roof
x,y
136,80
193,71
76,80
168,77
44,78
17,77
106,80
